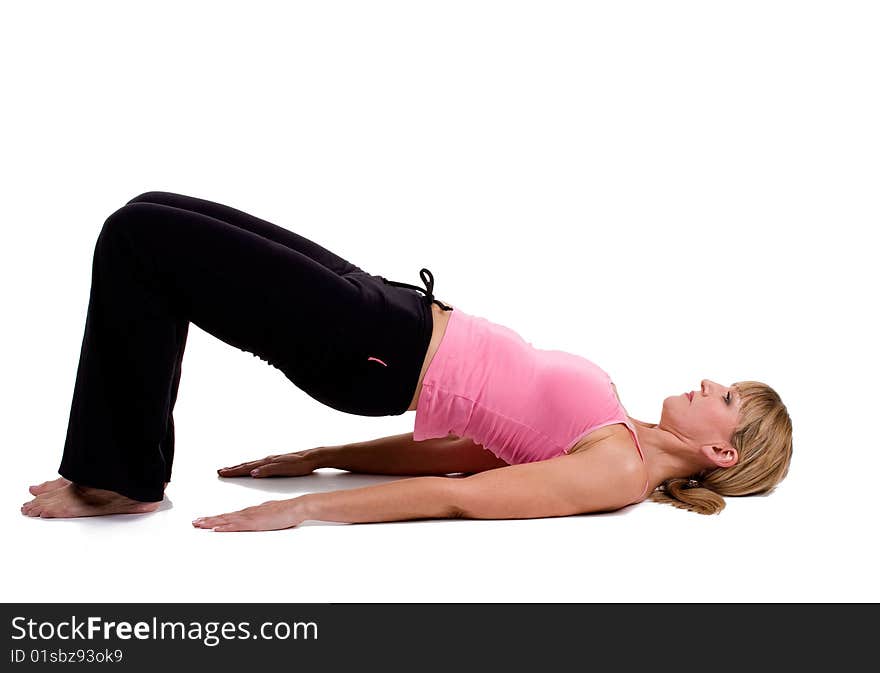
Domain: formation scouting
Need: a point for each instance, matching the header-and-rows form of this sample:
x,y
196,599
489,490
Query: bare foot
x,y
72,500
52,485
47,486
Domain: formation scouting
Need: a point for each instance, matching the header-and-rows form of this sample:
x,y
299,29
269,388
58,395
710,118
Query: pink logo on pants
x,y
377,360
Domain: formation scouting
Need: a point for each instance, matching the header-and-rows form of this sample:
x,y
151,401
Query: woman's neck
x,y
666,454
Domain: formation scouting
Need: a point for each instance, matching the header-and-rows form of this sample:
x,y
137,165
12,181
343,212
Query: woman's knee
x,y
123,223
149,197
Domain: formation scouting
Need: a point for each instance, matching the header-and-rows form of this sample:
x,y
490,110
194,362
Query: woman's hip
x,y
368,362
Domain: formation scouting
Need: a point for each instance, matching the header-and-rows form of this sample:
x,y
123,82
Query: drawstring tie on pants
x,y
428,279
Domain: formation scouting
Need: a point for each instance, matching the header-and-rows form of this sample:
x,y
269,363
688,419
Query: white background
x,y
674,190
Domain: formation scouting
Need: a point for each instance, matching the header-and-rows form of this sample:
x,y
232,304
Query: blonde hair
x,y
763,440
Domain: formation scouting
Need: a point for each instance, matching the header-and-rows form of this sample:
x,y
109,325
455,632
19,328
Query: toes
x,y
40,507
47,486
39,488
28,506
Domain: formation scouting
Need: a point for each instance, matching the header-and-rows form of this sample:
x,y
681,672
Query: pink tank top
x,y
522,403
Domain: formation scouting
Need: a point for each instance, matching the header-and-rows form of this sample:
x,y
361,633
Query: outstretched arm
x,y
601,479
402,455
395,455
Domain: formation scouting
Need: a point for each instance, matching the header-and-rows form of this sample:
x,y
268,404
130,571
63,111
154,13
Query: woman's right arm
x,y
395,455
402,455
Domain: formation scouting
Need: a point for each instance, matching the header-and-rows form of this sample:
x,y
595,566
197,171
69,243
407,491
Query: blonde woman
x,y
533,432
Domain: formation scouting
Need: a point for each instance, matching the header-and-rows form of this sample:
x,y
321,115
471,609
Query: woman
x,y
539,432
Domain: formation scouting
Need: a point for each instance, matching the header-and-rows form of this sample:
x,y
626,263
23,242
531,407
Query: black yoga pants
x,y
352,340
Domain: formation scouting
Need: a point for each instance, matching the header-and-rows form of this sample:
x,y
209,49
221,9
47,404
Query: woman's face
x,y
707,415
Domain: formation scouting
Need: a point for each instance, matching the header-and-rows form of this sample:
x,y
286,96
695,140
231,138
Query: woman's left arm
x,y
414,498
596,480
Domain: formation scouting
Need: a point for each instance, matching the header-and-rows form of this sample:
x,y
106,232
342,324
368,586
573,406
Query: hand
x,y
272,515
295,464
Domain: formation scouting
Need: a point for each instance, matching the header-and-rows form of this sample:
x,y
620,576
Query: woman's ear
x,y
722,455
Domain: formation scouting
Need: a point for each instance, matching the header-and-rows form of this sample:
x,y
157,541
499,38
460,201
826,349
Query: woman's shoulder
x,y
615,447
610,436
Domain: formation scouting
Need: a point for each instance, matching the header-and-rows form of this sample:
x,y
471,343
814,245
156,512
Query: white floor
x,y
645,553
812,540
676,191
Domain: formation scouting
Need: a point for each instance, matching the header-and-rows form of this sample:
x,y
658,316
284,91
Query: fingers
x,y
276,469
228,518
287,465
211,521
272,515
244,469
229,523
